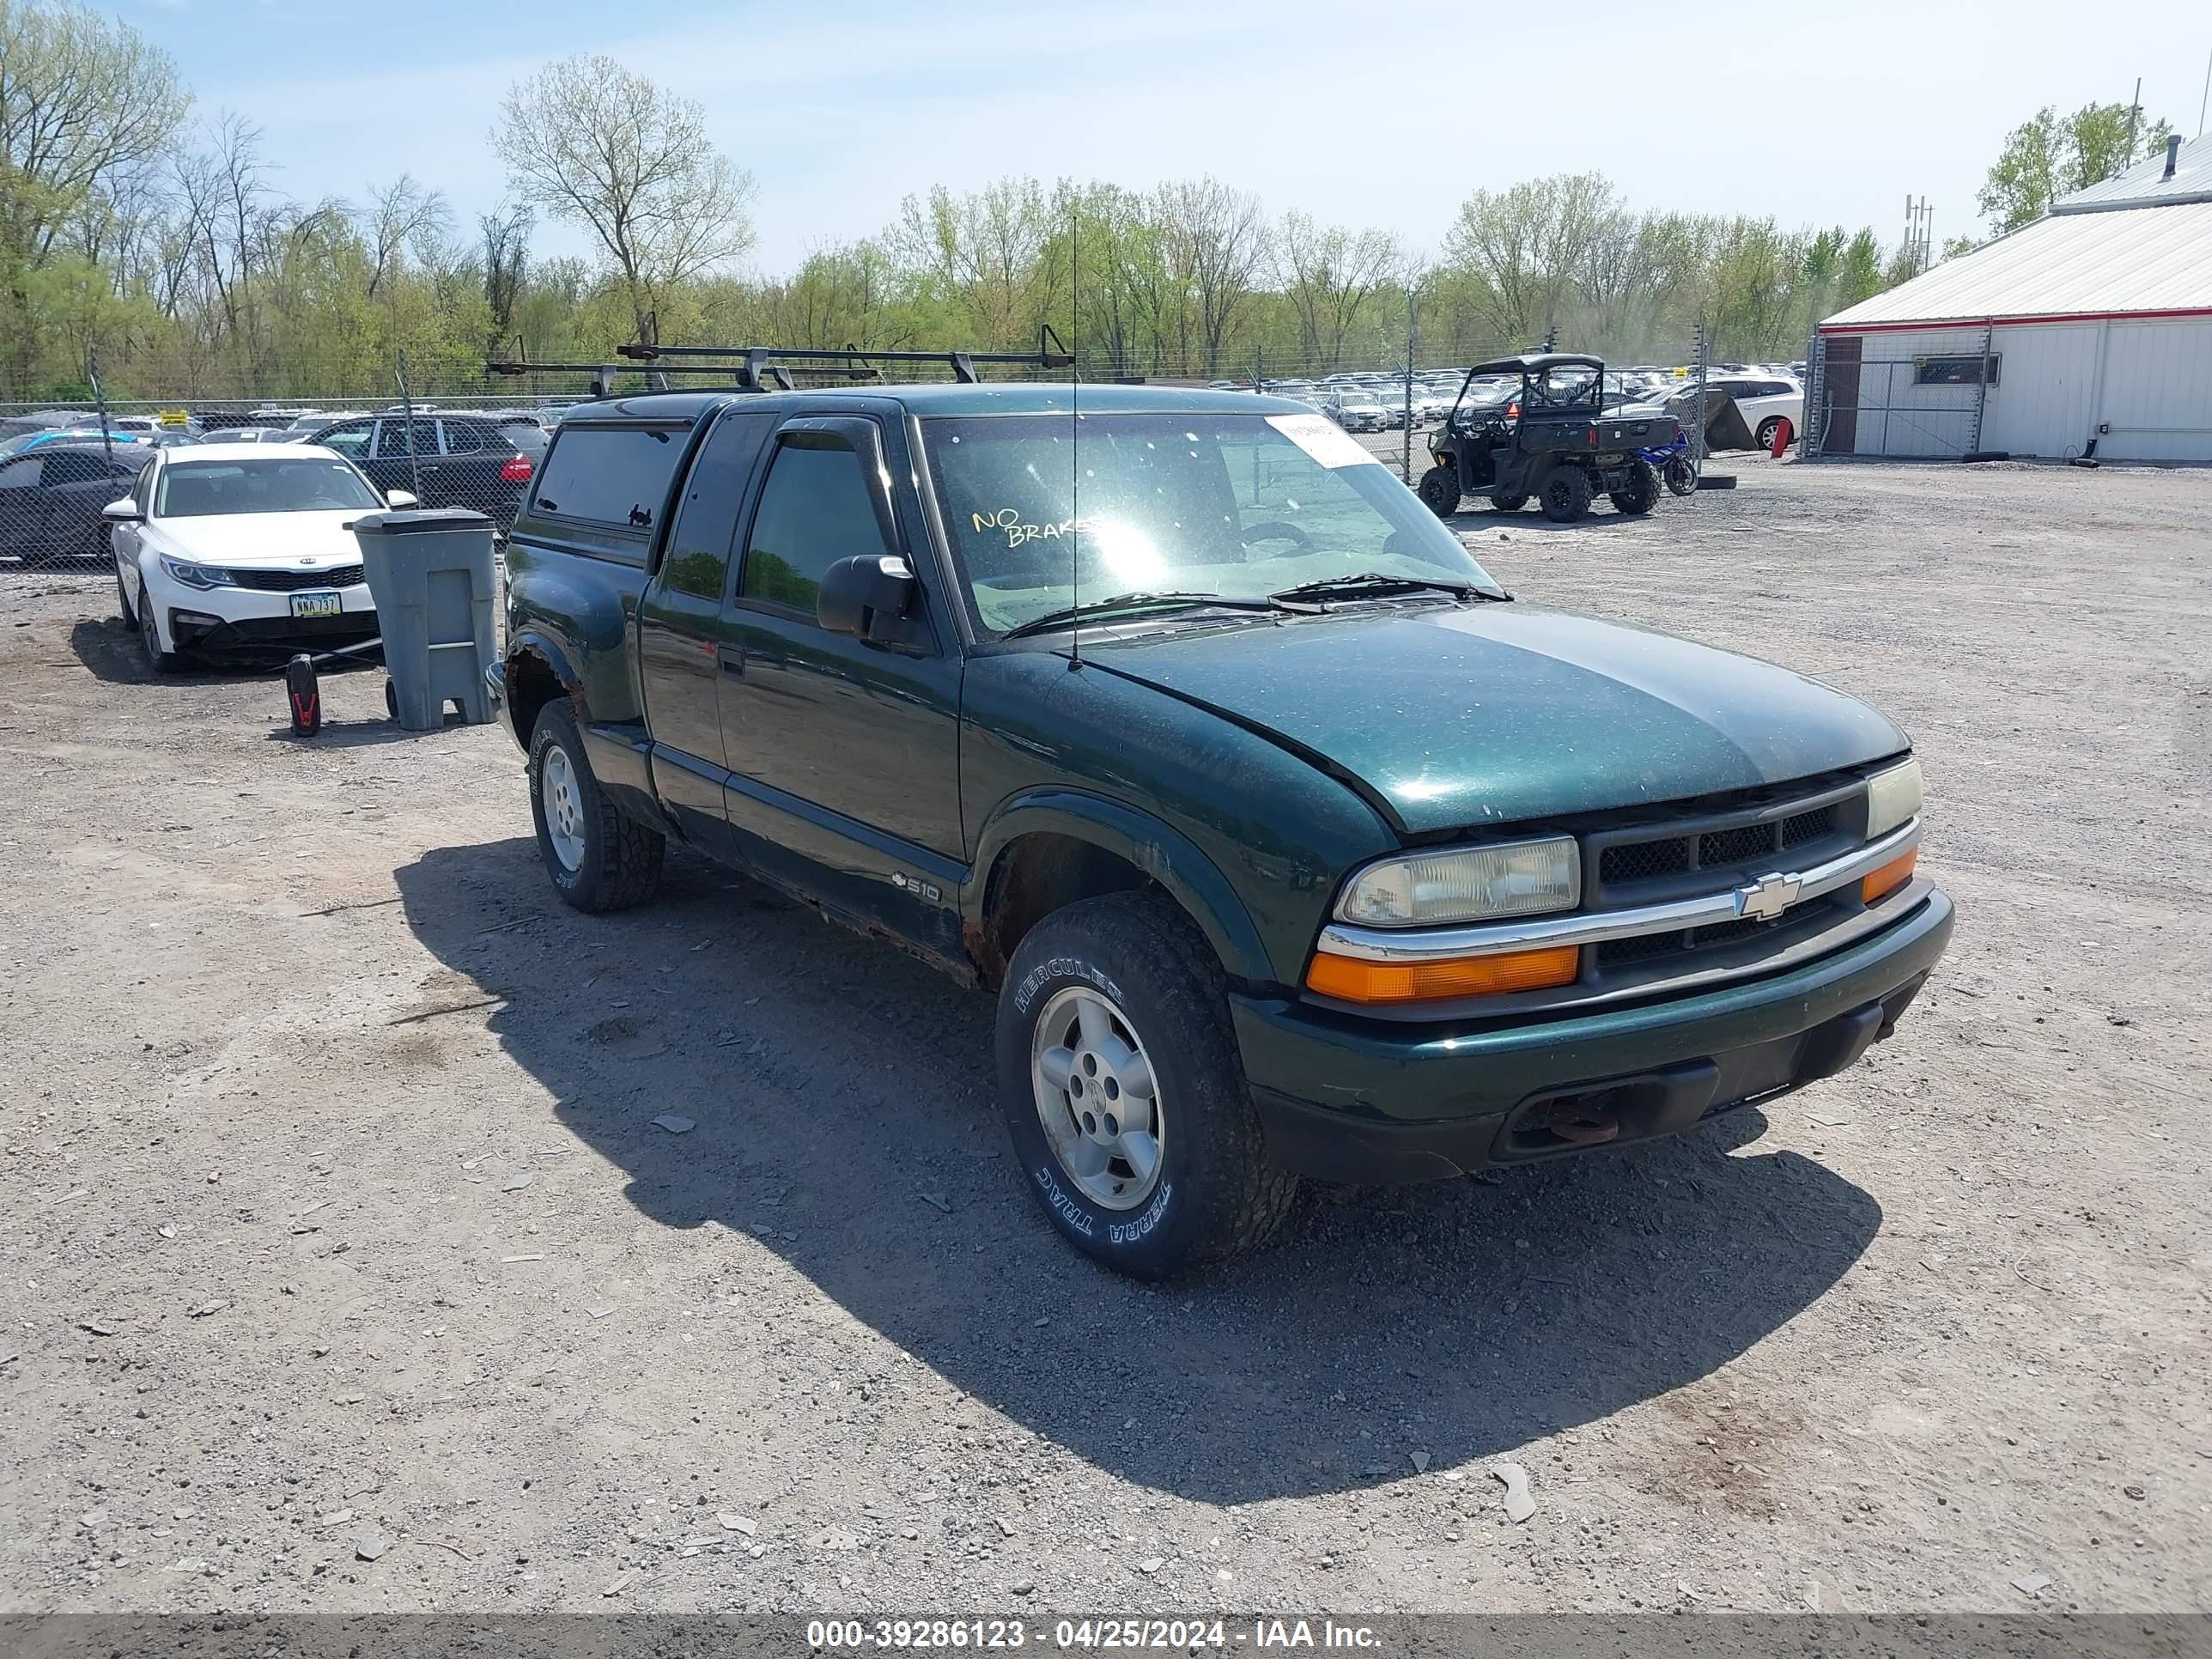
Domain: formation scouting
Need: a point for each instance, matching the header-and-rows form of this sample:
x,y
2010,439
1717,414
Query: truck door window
x,y
706,530
814,510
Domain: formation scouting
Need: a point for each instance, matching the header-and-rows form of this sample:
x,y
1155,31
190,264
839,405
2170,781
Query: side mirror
x,y
868,596
123,512
400,498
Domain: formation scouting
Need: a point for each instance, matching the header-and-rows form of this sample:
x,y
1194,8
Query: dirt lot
x,y
335,1216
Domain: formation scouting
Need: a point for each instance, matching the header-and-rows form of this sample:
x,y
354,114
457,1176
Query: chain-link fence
x,y
61,466
476,443
1904,394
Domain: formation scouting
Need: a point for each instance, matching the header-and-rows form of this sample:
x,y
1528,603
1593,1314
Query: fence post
x,y
407,402
1698,439
1981,384
1405,448
99,401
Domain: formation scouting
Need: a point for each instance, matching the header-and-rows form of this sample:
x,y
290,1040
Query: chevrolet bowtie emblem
x,y
1768,896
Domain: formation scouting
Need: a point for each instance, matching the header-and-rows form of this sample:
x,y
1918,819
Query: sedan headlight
x,y
198,575
1466,884
1892,797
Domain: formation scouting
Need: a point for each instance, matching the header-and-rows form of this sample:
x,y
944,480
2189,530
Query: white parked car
x,y
1765,399
244,550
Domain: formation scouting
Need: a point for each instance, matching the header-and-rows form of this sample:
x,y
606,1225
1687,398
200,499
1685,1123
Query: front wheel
x,y
1439,490
1123,1094
149,638
1566,495
599,860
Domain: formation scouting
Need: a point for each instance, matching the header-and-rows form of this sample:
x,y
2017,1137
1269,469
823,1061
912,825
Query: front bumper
x,y
261,638
1344,1098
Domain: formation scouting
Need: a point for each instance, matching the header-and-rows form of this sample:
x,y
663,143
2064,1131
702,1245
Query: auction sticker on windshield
x,y
1323,440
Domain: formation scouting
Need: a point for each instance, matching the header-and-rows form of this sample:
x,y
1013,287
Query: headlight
x,y
198,575
1892,796
1467,883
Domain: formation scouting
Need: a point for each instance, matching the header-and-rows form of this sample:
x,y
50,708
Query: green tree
x,y
2050,155
82,98
592,144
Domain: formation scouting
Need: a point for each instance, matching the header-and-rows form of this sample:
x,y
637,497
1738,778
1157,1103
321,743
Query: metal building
x,y
2092,326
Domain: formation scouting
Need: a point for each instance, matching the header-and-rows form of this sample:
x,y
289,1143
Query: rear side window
x,y
707,521
616,475
463,437
398,438
814,510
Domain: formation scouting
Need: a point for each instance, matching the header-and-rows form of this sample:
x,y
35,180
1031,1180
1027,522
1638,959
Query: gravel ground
x,y
337,1227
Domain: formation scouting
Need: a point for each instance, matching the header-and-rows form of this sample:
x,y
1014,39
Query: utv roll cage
x,y
1527,365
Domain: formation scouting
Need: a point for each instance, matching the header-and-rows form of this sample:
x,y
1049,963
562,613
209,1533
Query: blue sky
x,y
1366,115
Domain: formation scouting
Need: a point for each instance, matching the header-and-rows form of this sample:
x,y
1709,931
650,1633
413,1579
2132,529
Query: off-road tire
x,y
1217,1195
1643,492
621,858
150,643
1439,490
1509,503
1565,493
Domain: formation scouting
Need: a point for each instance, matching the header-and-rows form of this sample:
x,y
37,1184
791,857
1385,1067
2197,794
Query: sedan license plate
x,y
315,605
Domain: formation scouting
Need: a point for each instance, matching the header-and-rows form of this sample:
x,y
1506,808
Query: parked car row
x,y
1765,395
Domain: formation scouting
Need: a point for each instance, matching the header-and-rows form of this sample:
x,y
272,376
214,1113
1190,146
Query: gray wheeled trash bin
x,y
432,576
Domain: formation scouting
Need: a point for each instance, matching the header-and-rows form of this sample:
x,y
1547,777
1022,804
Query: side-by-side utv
x,y
1537,426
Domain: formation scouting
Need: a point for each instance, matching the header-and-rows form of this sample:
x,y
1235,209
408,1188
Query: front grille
x,y
1642,860
1746,845
291,581
1807,826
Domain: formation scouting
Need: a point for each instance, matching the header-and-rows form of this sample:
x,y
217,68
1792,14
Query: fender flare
x,y
1166,855
531,642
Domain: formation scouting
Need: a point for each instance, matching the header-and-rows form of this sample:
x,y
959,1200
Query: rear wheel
x,y
599,860
1439,490
1565,495
1681,476
1767,429
1120,1082
1643,492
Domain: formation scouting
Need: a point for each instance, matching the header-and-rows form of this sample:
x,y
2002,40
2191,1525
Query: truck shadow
x,y
845,1119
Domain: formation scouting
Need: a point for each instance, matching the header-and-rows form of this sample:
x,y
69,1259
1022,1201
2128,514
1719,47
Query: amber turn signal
x,y
1351,980
1891,877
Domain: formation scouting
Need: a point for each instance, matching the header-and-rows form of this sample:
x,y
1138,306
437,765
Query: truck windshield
x,y
1240,506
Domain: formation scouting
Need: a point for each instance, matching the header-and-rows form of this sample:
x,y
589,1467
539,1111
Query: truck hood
x,y
1496,714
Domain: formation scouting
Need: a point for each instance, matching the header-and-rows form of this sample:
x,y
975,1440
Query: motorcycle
x,y
1672,463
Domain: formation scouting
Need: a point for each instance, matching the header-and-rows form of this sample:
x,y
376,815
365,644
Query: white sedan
x,y
244,550
1765,401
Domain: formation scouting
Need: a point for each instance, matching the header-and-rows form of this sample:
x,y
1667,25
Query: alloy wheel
x,y
1098,1098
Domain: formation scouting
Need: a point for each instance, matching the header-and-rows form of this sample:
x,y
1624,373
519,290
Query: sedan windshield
x,y
1236,506
200,490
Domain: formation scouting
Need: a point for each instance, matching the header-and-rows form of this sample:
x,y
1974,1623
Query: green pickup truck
x,y
1288,843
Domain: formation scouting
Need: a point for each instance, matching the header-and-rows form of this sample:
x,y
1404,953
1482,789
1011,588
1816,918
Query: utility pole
x,y
2207,98
2135,114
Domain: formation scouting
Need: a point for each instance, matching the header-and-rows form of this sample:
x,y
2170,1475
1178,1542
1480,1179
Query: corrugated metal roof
x,y
2146,259
2146,183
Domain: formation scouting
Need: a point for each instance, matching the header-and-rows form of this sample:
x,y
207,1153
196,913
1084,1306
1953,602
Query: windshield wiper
x,y
1141,601
1374,581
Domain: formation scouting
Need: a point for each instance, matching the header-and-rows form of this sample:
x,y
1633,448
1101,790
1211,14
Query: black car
x,y
51,497
456,460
